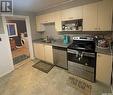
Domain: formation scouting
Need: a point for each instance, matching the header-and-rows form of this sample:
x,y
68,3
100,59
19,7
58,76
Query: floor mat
x,y
43,66
19,58
81,85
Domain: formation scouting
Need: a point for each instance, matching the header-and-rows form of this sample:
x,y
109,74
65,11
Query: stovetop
x,y
83,45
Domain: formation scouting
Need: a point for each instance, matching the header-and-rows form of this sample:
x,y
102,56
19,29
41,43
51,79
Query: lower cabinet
x,y
43,52
39,51
48,53
104,68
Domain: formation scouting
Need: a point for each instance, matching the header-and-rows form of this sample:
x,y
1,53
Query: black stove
x,y
82,58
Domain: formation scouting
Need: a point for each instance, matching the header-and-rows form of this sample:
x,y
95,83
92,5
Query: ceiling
x,y
38,6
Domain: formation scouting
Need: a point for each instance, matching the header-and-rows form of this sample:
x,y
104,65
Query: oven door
x,y
82,64
81,57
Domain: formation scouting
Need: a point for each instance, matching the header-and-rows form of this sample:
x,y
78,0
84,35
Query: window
x,y
12,29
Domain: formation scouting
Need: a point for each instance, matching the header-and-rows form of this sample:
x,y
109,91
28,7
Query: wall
x,y
1,26
21,25
21,28
50,32
6,63
32,17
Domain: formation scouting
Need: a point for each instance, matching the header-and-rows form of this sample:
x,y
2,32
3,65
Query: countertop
x,y
60,43
53,43
103,51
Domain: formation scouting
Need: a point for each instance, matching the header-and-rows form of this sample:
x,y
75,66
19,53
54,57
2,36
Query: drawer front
x,y
83,67
80,72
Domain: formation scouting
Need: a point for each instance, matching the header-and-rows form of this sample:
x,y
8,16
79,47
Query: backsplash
x,y
51,33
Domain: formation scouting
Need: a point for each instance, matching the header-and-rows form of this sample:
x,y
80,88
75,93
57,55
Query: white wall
x,y
6,64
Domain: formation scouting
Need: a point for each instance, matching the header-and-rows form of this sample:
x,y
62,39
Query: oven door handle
x,y
72,51
83,53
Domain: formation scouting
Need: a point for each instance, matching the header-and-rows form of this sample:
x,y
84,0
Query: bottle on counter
x,y
66,39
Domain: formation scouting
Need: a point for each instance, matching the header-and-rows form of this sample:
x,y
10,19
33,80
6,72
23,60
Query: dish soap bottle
x,y
66,39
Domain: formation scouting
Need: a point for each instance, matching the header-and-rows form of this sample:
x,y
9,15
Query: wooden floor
x,y
20,51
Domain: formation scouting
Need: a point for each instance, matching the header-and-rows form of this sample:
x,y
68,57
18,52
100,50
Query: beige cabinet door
x,y
48,54
90,17
39,24
39,51
104,68
72,13
35,50
58,22
105,15
48,18
40,27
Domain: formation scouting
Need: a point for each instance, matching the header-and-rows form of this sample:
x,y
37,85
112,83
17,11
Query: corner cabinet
x,y
43,52
98,16
104,68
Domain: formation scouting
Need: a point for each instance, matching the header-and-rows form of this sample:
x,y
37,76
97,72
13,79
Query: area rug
x,y
80,85
43,66
19,58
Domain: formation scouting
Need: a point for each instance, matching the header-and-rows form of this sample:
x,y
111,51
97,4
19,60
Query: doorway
x,y
19,34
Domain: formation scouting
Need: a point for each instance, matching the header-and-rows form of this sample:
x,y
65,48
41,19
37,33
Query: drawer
x,y
81,73
83,67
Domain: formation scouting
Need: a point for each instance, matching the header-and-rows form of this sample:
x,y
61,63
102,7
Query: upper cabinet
x,y
58,21
97,16
48,18
90,17
105,15
72,13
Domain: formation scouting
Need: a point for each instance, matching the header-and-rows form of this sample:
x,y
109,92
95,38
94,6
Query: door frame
x,y
28,27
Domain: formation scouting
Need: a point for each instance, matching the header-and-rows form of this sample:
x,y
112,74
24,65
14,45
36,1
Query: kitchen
x,y
87,22
78,40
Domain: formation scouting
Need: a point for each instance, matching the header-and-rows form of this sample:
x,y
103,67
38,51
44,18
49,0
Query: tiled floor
x,y
27,80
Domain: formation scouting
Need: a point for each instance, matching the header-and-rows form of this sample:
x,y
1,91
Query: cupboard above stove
x,y
96,17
